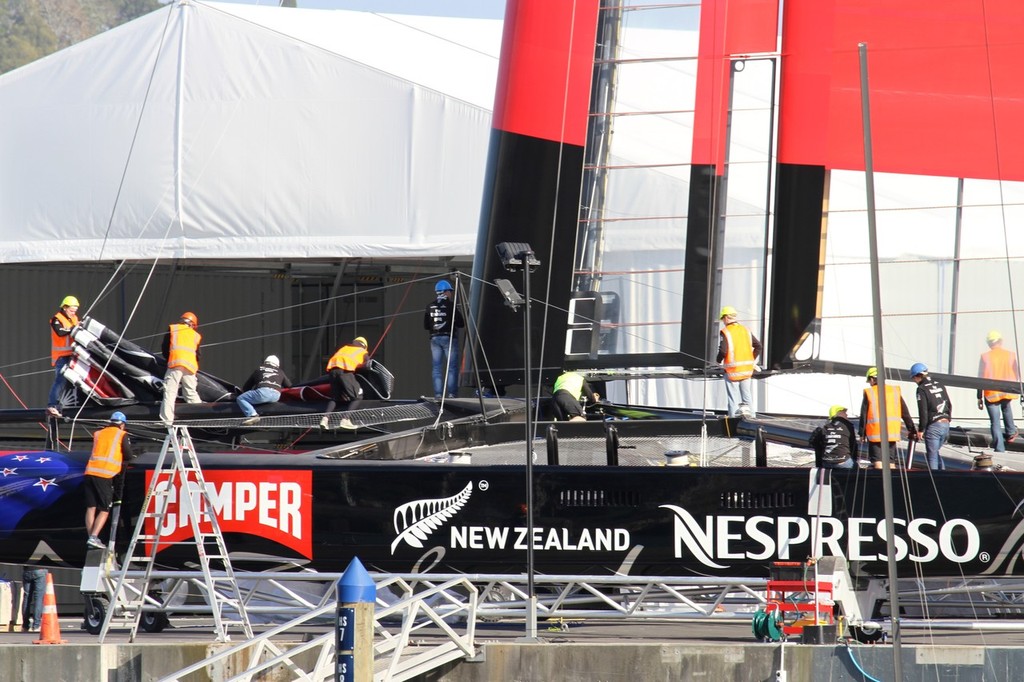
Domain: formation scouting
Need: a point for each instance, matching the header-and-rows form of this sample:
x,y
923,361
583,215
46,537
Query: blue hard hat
x,y
443,285
918,368
118,417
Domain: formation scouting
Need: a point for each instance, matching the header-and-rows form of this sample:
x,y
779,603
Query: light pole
x,y
517,256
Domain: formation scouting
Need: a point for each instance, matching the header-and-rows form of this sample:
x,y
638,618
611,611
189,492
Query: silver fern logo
x,y
416,520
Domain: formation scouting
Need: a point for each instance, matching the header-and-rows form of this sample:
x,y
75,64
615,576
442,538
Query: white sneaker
x,y
95,543
251,420
323,423
346,423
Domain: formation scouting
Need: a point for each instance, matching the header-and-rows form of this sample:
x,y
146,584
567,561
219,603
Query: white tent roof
x,y
210,130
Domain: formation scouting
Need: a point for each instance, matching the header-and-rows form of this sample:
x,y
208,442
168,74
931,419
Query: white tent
x,y
212,130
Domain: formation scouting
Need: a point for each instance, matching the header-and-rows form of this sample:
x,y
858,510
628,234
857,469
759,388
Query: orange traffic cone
x,y
50,630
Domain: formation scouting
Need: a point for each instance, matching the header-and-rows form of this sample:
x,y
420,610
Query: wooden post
x,y
357,597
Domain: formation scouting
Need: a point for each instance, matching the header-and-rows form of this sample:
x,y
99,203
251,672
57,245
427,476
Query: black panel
x,y
532,192
795,295
700,222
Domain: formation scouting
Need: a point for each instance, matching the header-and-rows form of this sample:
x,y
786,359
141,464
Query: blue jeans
x,y
847,464
738,393
33,585
256,396
59,382
439,349
935,436
994,410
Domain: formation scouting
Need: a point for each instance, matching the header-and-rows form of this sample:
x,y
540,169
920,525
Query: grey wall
x,y
244,315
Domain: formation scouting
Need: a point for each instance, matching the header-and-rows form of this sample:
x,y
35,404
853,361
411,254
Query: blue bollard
x,y
357,596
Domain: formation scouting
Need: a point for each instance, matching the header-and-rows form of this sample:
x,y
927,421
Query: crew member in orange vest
x,y
181,348
999,364
737,351
111,448
870,419
61,325
345,387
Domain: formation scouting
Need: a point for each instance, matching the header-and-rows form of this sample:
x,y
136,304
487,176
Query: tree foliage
x,y
31,29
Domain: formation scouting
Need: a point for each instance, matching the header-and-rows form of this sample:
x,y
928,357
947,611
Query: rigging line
x,y
530,403
170,223
24,406
328,52
488,370
447,357
141,340
395,314
999,181
117,344
135,135
324,299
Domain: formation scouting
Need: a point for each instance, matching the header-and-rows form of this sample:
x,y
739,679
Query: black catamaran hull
x,y
402,517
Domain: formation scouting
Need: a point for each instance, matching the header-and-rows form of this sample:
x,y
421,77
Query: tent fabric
x,y
213,130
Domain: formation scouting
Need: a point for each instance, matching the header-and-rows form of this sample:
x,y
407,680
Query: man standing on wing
x,y
737,351
871,428
1000,364
934,410
181,348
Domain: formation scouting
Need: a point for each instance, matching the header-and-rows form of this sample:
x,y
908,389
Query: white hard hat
x,y
272,360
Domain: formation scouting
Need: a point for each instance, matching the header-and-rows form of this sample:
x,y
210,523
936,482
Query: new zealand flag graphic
x,y
34,480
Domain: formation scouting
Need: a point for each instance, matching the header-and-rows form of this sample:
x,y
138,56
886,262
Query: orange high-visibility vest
x,y
105,461
999,364
349,358
184,344
60,346
893,413
739,354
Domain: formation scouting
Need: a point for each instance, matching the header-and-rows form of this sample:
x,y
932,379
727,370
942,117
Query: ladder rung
x,y
180,461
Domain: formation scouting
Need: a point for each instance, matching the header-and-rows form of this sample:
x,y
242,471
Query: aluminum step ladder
x,y
177,473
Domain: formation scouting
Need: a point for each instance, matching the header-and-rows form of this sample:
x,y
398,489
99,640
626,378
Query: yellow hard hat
x,y
994,336
834,410
69,301
727,310
872,372
361,341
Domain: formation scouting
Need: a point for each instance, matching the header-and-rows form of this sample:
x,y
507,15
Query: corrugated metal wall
x,y
243,316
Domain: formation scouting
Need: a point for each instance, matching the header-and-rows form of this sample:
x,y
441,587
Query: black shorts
x,y
99,492
569,406
344,385
875,453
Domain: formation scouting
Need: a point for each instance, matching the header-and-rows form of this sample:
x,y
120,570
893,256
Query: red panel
x,y
947,94
712,95
546,67
753,26
727,27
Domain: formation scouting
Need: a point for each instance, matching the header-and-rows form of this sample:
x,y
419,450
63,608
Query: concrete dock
x,y
584,652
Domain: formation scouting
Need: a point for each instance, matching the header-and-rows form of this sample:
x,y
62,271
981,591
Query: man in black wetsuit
x,y
835,443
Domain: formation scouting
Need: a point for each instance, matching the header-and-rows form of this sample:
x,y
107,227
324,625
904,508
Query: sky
x,y
677,14
485,9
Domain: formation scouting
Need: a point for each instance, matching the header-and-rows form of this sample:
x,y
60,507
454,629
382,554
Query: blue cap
x,y
356,585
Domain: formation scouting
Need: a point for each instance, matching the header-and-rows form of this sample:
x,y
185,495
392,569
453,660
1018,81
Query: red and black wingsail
x,y
946,100
534,171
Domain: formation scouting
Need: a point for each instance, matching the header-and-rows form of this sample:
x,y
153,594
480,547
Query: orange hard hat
x,y
191,319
